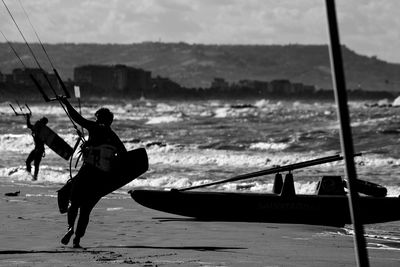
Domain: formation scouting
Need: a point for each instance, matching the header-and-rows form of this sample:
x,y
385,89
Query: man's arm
x,y
28,122
75,116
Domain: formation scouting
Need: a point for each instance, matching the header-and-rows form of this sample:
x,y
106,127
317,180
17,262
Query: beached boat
x,y
328,206
287,207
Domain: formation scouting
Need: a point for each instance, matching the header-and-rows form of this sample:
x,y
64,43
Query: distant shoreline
x,y
196,65
36,98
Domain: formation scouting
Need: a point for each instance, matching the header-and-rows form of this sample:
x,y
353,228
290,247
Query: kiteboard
x,y
126,167
55,142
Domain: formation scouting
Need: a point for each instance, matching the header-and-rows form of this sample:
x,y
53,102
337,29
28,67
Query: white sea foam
x,y
23,143
229,112
166,158
164,119
37,110
47,174
221,112
262,155
262,103
165,182
268,146
16,142
371,121
162,108
376,160
393,191
184,157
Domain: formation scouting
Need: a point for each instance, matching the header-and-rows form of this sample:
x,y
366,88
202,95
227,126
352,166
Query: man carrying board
x,y
38,152
87,186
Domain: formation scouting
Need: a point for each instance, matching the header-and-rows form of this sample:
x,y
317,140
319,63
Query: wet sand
x,y
124,233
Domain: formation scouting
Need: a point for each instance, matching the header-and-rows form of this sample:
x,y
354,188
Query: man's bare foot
x,y
75,243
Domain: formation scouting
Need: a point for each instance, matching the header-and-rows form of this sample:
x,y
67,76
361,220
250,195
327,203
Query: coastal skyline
x,y
367,27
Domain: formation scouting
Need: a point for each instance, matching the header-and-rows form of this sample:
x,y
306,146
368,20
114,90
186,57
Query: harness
x,y
101,157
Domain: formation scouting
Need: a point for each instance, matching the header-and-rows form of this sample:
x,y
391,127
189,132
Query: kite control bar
x,y
22,113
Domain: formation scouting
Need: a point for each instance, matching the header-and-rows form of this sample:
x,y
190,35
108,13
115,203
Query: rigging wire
x,y
13,49
45,51
37,35
26,42
30,49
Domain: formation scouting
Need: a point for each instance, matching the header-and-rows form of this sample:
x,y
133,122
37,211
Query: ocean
x,y
195,142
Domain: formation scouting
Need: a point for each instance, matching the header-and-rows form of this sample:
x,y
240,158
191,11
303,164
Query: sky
x,y
369,27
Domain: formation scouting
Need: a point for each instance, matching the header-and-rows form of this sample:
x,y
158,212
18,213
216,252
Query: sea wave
x,y
269,146
193,142
164,119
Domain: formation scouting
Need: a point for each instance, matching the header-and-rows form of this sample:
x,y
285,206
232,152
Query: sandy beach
x,y
122,232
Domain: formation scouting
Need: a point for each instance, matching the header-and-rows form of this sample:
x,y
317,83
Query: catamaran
x,y
328,206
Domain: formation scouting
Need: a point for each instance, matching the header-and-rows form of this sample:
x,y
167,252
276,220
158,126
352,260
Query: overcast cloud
x,y
369,27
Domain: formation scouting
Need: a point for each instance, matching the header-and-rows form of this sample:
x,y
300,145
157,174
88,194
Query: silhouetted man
x,y
88,184
37,153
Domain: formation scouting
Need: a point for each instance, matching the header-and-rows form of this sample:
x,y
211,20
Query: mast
x,y
346,140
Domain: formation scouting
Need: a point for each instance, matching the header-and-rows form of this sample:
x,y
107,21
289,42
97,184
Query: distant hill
x,y
196,65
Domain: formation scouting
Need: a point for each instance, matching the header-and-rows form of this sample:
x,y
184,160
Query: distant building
x,y
299,88
130,79
114,78
23,77
8,78
219,83
262,87
309,89
246,83
165,86
95,75
281,87
256,87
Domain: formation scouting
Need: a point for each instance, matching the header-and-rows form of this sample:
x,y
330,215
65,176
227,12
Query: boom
x,y
289,168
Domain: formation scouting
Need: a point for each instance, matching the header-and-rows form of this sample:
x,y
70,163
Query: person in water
x,y
37,153
88,185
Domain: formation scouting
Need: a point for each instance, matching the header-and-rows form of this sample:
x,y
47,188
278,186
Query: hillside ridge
x,y
196,65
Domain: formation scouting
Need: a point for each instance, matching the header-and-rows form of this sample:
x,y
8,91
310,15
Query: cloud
x,y
367,26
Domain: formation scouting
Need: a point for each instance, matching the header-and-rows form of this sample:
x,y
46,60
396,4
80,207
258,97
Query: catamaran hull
x,y
330,210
